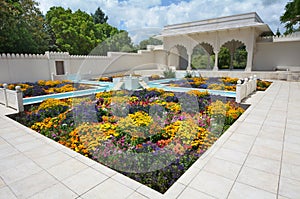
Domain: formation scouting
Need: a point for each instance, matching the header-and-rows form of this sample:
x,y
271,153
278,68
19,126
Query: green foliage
x,y
169,73
77,33
99,16
224,58
151,41
291,17
239,58
22,27
119,42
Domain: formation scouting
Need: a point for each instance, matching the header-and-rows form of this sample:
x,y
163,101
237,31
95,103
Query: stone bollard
x,y
5,94
19,96
238,92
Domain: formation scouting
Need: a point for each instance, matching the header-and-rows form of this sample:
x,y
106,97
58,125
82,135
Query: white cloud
x,y
149,16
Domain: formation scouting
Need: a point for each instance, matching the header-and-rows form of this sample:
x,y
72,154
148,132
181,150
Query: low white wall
x,y
269,55
22,68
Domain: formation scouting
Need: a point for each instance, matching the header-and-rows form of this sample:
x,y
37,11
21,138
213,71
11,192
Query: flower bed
x,y
151,135
43,87
224,83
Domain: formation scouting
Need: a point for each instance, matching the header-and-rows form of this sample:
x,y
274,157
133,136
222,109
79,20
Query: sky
x,y
145,18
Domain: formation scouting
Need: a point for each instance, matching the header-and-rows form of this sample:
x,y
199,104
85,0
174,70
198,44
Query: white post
x,y
189,62
216,60
52,76
238,92
255,82
5,95
19,98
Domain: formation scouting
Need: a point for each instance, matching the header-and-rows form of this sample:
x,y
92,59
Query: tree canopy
x,y
151,41
22,27
99,16
291,16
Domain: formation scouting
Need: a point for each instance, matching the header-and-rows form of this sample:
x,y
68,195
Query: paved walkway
x,y
258,157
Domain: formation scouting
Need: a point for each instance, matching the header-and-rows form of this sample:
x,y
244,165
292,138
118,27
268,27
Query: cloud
x,y
151,16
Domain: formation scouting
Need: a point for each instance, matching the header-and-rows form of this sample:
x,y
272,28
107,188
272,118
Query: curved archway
x,y
202,56
178,57
232,55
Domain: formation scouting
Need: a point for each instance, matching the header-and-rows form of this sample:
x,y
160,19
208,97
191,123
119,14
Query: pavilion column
x,y
189,67
249,50
216,60
167,58
208,61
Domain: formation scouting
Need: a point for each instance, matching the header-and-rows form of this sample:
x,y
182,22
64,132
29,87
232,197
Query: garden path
x,y
258,157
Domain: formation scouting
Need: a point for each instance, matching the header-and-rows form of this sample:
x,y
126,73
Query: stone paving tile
x,y
33,184
56,191
269,122
11,132
174,191
266,152
291,147
6,193
291,158
88,178
66,169
274,144
188,176
7,150
136,195
22,147
13,160
104,169
289,188
292,139
212,184
263,164
244,147
291,171
21,139
52,159
40,151
19,172
108,189
243,191
248,129
132,184
231,155
223,168
149,193
259,179
189,193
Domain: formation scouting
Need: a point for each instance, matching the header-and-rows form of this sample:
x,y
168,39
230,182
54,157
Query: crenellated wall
x,y
28,67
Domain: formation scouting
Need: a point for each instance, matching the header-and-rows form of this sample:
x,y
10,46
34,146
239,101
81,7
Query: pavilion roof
x,y
240,21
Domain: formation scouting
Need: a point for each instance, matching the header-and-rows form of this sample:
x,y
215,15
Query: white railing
x,y
245,89
12,98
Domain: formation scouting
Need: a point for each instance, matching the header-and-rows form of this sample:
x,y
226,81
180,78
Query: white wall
x,y
268,55
22,68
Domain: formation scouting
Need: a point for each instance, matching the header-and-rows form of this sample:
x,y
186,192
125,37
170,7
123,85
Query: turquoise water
x,y
106,86
38,99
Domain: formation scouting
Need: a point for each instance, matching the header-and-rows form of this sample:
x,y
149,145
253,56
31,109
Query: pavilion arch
x,y
237,54
178,57
202,56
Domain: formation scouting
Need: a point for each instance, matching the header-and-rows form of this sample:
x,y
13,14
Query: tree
x,y
291,17
22,27
151,41
119,42
76,32
99,16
